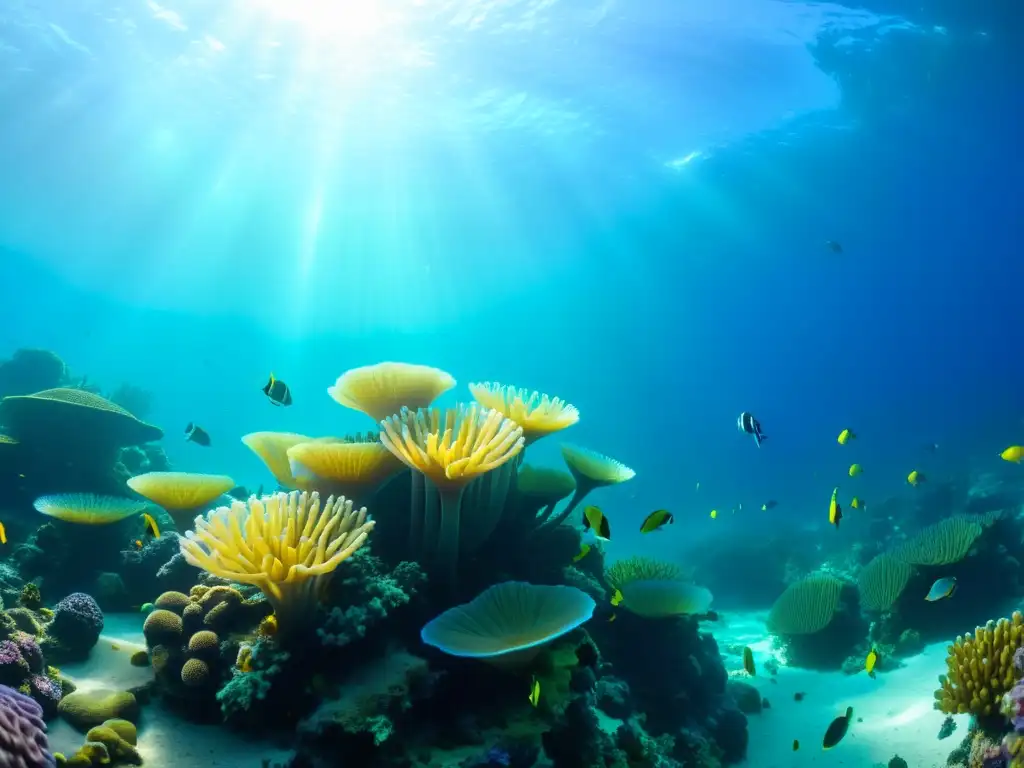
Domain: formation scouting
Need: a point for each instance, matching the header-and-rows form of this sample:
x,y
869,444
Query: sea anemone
x,y
384,389
509,623
272,449
88,508
284,544
352,469
590,470
451,448
181,493
537,414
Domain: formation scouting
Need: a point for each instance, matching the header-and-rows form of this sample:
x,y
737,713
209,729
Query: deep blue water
x,y
518,209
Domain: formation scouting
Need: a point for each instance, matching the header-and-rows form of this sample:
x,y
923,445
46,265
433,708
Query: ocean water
x,y
626,205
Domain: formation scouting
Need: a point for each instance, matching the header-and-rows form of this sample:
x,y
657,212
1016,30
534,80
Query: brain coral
x,y
807,606
981,668
23,742
162,627
77,623
882,581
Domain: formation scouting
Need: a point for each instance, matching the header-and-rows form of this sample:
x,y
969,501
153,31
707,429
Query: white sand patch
x,y
165,739
892,714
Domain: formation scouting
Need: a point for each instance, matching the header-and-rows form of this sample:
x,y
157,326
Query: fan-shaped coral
x,y
807,606
65,412
283,544
947,541
509,623
88,508
353,469
882,581
655,589
181,493
980,668
272,449
451,448
537,414
384,389
590,470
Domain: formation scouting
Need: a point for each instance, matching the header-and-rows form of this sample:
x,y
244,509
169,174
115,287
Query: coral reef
x,y
981,668
75,628
23,739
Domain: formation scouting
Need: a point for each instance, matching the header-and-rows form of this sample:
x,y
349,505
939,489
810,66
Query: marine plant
x,y
284,544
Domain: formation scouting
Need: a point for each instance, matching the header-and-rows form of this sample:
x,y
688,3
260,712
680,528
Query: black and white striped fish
x,y
747,423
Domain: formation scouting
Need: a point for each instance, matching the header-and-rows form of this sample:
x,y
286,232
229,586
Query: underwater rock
x,y
76,627
612,697
746,696
897,762
87,709
30,370
728,727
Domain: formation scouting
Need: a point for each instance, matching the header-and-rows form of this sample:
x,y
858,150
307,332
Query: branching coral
x,y
980,668
283,544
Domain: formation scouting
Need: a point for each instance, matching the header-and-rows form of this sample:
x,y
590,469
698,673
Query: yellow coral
x,y
384,389
181,493
282,544
980,668
353,469
272,449
537,414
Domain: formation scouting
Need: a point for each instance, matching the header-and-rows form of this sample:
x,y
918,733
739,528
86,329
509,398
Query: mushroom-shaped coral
x,y
509,623
540,489
590,470
354,470
537,414
451,448
655,589
384,389
88,508
272,449
181,493
283,544
74,411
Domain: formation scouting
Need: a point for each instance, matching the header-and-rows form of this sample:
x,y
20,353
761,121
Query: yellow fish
x,y
594,520
3,534
1014,453
835,512
535,691
855,469
656,520
846,436
856,503
584,549
915,478
748,662
138,543
617,597
714,513
151,526
870,662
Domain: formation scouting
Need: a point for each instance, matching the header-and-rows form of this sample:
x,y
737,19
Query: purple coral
x,y
77,624
47,692
13,667
30,651
23,742
1018,660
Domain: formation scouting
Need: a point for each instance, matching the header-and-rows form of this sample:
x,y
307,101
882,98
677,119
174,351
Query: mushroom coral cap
x,y
454,446
383,389
69,410
363,463
180,490
88,508
595,467
508,617
658,598
538,414
272,449
544,483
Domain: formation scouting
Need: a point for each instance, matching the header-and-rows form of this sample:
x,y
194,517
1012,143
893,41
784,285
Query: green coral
x,y
244,689
30,597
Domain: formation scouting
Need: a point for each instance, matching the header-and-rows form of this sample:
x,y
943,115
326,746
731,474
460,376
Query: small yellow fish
x,y
846,436
855,469
870,662
246,665
584,549
617,597
534,691
915,478
594,520
656,520
835,512
1014,453
714,513
138,543
151,526
748,662
3,534
856,503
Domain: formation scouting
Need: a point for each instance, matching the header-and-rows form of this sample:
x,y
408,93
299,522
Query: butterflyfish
x,y
915,478
747,423
1014,453
856,503
151,527
837,729
534,691
656,520
584,549
3,534
846,436
835,512
870,662
594,520
617,597
748,662
714,513
941,589
277,391
196,434
770,504
855,469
